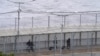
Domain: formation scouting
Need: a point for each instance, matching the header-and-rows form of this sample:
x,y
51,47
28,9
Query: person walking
x,y
68,43
30,46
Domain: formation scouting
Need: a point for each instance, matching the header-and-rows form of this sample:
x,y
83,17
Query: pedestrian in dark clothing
x,y
30,45
68,43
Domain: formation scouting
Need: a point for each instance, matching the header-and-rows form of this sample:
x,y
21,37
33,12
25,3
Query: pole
x,y
64,40
16,37
95,28
62,25
88,41
39,44
80,28
92,43
4,49
55,45
48,40
72,43
80,38
96,20
61,39
19,10
64,21
95,37
32,23
48,22
80,20
35,44
15,23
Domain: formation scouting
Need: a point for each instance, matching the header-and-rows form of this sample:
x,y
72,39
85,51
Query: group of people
x,y
30,45
56,42
68,43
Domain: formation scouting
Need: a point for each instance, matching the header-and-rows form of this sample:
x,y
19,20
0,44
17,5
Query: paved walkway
x,y
66,52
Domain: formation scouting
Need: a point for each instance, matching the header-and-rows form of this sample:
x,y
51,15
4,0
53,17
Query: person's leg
x,y
56,46
67,46
31,48
28,48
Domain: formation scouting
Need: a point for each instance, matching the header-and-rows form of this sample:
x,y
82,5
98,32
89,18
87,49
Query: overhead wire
x,y
41,12
61,13
8,12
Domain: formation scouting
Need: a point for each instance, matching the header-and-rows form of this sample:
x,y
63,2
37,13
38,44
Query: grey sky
x,y
47,5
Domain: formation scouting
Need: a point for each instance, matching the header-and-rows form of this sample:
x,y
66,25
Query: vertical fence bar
x,y
32,41
39,44
48,41
96,24
92,43
15,45
88,47
95,37
80,34
72,43
61,40
55,45
80,28
35,43
61,36
4,44
64,40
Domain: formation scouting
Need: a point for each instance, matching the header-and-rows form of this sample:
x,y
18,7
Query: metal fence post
x,y
72,43
4,44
